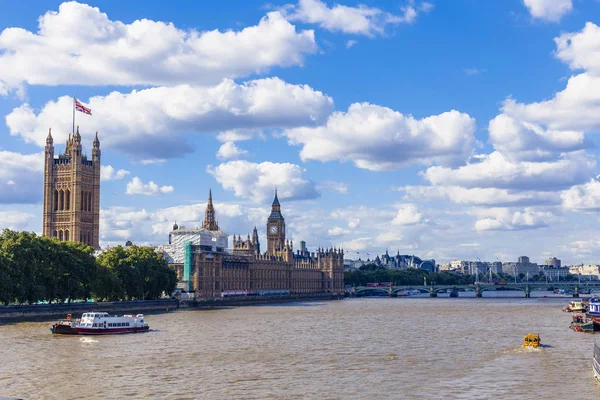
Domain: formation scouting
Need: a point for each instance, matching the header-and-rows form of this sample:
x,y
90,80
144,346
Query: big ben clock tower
x,y
275,228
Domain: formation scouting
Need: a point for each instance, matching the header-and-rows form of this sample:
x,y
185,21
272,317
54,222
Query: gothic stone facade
x,y
72,192
279,268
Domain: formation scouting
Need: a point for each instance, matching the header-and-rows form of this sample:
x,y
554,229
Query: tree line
x,y
372,273
38,269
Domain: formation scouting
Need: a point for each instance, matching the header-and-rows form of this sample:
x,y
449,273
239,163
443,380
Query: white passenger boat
x,y
101,323
594,307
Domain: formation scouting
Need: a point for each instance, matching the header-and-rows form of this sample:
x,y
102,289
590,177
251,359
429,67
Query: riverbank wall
x,y
40,312
256,300
43,312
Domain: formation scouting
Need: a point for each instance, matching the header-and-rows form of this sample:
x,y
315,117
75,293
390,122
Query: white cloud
x,y
108,173
584,197
362,216
527,141
378,138
153,161
350,43
136,186
21,177
229,150
504,219
150,122
358,244
359,20
338,231
79,45
339,187
15,220
258,181
581,50
481,196
496,171
549,10
408,214
238,135
572,109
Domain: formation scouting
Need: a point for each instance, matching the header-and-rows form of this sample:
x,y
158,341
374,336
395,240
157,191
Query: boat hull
x,y
63,329
111,331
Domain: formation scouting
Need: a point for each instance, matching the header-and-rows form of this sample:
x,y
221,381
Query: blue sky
x,y
445,129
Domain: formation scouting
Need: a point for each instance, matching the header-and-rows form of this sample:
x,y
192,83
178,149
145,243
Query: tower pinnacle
x,y
209,216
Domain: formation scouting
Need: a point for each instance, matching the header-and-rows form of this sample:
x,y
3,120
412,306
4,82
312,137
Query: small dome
x,y
175,226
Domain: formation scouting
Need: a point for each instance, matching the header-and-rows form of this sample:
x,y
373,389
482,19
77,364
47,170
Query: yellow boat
x,y
531,340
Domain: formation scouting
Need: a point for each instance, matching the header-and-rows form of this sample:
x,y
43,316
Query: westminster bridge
x,y
527,287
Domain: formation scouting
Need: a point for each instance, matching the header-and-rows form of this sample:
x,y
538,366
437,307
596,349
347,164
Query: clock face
x,y
273,229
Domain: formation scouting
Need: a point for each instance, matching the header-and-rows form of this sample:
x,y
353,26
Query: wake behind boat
x,y
101,323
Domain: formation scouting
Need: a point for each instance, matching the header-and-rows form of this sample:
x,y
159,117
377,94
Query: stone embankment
x,y
41,312
256,300
48,311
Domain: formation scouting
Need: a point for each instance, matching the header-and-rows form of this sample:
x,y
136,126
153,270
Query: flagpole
x,y
73,114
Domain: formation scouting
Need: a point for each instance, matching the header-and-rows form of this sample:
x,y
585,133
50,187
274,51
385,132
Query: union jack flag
x,y
82,108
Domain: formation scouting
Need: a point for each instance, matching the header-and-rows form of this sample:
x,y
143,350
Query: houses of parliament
x,y
72,192
204,264
211,271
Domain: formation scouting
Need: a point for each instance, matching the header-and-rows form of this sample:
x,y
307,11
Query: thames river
x,y
378,348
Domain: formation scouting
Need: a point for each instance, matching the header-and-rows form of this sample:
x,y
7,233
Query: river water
x,y
377,348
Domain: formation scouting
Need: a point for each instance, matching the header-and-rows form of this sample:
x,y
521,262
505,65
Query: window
x,y
66,236
68,199
61,198
56,200
60,235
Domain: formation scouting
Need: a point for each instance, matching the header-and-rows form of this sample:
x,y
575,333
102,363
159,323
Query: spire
x,y
49,139
209,216
96,141
275,209
77,136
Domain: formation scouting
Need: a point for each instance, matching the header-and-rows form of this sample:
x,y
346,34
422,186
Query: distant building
x,y
403,261
523,266
590,271
552,262
353,264
555,273
207,268
476,267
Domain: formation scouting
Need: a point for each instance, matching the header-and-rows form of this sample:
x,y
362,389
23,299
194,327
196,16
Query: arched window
x,y
84,201
55,234
89,201
55,201
66,236
68,199
89,241
61,200
81,205
60,235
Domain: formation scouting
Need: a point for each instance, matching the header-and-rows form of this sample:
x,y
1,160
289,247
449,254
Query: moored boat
x,y
594,306
101,323
576,306
582,323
